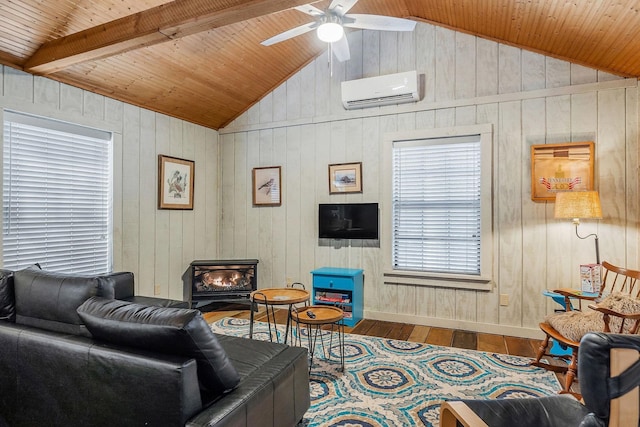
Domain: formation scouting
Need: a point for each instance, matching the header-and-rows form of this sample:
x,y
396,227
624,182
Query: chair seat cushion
x,y
574,324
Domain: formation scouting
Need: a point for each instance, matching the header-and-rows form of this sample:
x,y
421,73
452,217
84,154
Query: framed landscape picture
x,y
345,178
561,167
175,183
267,186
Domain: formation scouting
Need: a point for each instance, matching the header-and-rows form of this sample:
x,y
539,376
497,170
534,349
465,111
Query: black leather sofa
x,y
84,351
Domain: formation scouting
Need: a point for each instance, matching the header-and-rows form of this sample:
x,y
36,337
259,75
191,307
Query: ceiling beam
x,y
10,60
160,24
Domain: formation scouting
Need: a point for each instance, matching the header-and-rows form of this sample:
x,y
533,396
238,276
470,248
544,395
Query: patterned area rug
x,y
390,383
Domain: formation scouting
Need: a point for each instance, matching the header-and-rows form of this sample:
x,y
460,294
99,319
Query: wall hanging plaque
x,y
561,167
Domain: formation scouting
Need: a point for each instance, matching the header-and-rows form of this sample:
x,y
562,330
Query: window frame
x,y
79,131
484,280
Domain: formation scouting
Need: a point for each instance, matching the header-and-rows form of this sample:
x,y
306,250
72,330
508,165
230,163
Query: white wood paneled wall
x,y
156,245
528,98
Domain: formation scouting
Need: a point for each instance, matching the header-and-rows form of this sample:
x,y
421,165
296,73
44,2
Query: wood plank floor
x,y
416,333
502,344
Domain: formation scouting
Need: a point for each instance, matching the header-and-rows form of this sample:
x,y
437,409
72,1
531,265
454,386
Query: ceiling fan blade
x,y
378,22
310,10
341,49
341,6
290,34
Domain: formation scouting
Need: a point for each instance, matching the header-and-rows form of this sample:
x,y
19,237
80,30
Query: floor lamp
x,y
579,205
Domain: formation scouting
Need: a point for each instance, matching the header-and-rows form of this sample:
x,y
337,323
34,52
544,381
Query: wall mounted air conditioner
x,y
381,90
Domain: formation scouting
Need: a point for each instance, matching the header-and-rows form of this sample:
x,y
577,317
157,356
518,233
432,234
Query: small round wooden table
x,y
272,297
314,317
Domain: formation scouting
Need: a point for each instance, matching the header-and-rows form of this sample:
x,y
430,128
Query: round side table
x,y
314,317
271,297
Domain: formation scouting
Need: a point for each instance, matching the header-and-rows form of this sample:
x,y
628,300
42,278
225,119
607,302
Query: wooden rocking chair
x,y
615,280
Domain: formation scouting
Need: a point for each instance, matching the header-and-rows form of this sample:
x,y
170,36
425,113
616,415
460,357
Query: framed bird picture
x,y
175,183
267,186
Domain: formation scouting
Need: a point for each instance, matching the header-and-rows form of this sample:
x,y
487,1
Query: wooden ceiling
x,y
202,61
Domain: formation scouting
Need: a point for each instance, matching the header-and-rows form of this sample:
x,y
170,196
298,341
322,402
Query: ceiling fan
x,y
329,25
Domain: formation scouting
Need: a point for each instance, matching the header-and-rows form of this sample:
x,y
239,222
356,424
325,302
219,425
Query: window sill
x,y
438,280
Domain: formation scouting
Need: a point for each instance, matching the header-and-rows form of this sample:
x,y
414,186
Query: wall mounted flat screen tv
x,y
348,221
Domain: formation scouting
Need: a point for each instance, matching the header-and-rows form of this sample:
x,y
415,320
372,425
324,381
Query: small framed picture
x,y
175,183
345,178
267,189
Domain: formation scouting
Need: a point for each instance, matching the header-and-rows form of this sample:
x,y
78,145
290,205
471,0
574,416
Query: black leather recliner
x,y
609,374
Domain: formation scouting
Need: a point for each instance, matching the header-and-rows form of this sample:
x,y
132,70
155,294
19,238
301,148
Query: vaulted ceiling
x,y
202,61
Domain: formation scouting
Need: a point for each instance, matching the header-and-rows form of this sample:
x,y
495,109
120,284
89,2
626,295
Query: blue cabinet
x,y
341,287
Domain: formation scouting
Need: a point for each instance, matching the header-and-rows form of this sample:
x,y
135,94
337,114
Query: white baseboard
x,y
487,328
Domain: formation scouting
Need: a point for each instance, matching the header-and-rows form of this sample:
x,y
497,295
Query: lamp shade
x,y
578,204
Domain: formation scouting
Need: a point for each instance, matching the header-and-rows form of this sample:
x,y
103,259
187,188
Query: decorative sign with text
x,y
560,167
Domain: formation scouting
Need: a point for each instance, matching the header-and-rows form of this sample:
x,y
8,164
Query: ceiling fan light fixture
x,y
330,32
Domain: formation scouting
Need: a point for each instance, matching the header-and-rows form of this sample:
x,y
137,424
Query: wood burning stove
x,y
222,281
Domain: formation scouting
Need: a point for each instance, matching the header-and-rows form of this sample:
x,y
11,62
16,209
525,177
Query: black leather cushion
x,y
117,285
7,298
163,329
549,411
159,302
49,300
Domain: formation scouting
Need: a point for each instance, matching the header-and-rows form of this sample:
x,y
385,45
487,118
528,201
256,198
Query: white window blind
x,y
436,205
56,195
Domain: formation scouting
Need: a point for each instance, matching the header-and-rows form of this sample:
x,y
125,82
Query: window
x,y
440,204
56,195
